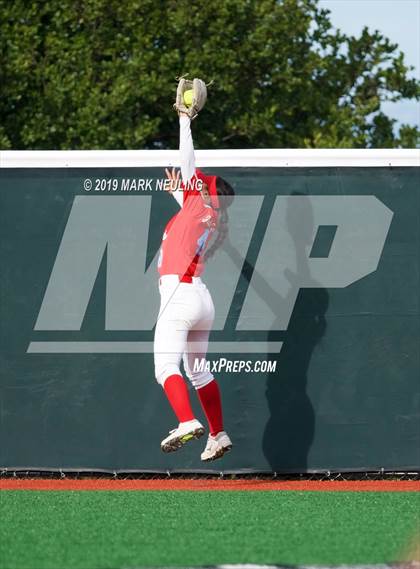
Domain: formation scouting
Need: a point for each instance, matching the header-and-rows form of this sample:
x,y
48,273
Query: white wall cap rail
x,y
248,158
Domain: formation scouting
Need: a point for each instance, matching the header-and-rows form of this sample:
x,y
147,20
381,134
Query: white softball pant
x,y
182,330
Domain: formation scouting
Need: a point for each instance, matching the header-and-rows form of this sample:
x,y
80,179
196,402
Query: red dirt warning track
x,y
208,485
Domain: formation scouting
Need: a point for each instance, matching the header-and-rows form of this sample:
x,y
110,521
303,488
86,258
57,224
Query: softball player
x,y
186,311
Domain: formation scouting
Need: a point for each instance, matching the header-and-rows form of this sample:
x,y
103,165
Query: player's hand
x,y
174,177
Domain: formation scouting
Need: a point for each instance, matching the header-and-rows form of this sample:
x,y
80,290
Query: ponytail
x,y
226,192
222,231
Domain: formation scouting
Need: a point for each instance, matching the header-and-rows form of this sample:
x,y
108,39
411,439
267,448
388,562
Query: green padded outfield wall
x,y
319,278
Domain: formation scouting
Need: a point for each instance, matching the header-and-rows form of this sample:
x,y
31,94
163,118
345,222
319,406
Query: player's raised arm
x,y
186,148
187,160
190,99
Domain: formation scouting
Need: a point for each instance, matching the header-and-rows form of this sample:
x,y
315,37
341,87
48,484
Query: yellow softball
x,y
188,97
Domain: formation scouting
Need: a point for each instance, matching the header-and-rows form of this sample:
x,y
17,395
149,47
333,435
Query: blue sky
x,y
399,20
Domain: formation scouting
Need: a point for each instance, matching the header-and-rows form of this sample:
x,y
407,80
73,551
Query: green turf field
x,y
85,530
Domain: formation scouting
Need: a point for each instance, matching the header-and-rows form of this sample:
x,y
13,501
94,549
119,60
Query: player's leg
x,y
208,391
197,370
168,346
170,342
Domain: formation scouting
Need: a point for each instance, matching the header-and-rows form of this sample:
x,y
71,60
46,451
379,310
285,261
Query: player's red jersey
x,y
185,237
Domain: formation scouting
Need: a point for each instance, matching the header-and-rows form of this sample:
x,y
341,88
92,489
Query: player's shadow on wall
x,y
289,432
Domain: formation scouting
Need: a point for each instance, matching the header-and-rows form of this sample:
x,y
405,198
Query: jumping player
x,y
186,311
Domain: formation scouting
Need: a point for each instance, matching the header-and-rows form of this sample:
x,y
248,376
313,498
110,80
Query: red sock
x,y
177,393
210,400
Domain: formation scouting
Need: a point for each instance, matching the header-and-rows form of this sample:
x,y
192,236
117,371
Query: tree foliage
x,y
85,74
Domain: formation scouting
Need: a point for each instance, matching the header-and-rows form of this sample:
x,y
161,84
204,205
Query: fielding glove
x,y
199,97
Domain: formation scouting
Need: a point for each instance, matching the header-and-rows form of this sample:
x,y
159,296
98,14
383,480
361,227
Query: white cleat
x,y
184,433
216,446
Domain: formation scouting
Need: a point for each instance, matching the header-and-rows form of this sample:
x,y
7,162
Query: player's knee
x,y
165,370
200,379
